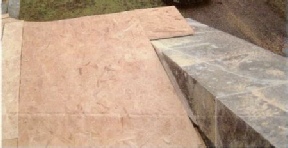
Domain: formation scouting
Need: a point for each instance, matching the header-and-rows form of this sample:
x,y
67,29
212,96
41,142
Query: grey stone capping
x,y
4,7
236,91
14,8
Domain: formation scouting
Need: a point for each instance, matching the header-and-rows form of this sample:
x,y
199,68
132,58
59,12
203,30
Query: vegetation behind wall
x,y
279,6
47,10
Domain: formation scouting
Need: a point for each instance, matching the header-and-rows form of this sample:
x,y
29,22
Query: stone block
x,y
264,111
235,89
14,8
233,131
4,7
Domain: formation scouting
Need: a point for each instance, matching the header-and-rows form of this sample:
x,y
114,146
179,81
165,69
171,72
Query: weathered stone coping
x,y
237,91
14,8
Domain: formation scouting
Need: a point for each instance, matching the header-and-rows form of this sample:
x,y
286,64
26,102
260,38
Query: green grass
x,y
47,10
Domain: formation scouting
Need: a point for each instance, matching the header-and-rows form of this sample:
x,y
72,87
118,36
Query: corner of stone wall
x,y
14,8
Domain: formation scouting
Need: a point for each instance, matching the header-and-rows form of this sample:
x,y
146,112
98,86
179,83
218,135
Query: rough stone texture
x,y
14,8
97,81
4,7
11,43
234,131
235,89
264,110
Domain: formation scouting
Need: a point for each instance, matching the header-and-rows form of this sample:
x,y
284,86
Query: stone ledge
x,y
14,8
237,91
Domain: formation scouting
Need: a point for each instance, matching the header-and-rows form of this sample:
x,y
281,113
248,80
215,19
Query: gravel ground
x,y
252,20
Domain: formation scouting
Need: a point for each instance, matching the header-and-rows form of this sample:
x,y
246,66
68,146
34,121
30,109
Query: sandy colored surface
x,y
6,19
12,42
97,81
11,45
5,15
10,143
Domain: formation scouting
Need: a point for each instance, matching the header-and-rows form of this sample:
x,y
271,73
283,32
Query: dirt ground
x,y
252,20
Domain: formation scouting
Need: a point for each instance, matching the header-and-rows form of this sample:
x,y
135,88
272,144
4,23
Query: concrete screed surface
x,y
236,90
12,42
6,19
93,81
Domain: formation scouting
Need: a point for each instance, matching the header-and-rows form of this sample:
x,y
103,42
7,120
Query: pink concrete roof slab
x,y
96,81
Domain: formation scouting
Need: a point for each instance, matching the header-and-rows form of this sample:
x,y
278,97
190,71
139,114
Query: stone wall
x,y
14,8
236,90
4,6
